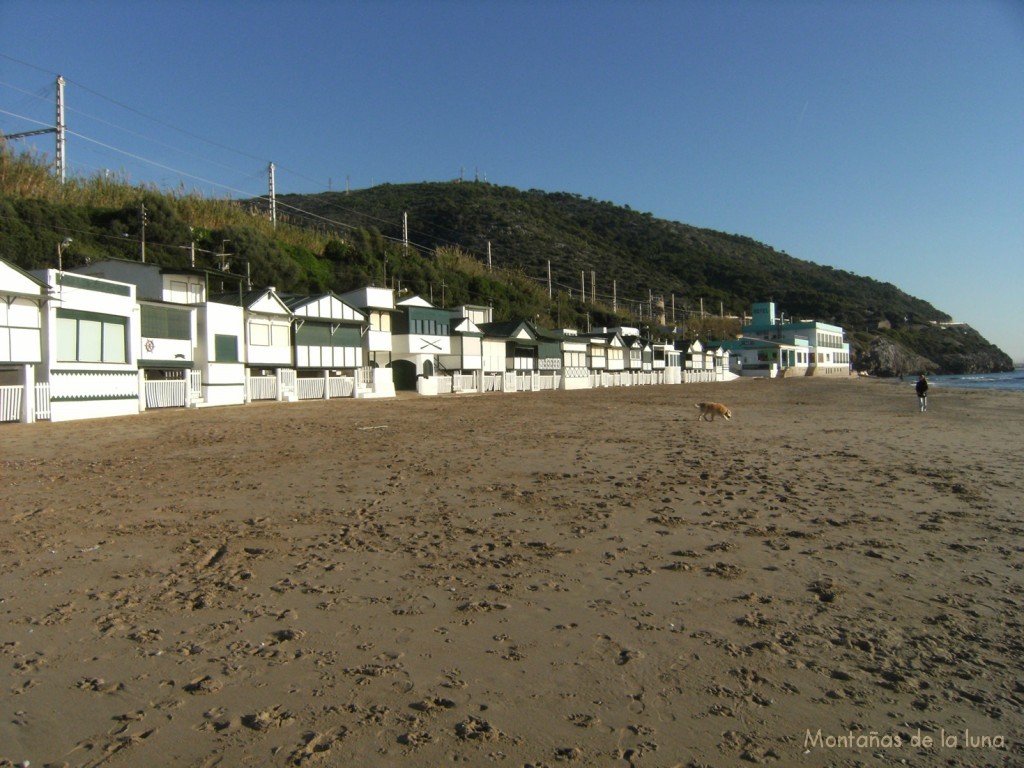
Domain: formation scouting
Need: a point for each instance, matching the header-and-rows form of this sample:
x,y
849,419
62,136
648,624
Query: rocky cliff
x,y
883,357
933,349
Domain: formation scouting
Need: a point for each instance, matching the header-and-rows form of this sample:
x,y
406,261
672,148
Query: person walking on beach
x,y
922,392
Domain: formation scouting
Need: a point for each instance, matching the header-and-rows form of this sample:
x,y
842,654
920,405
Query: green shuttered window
x,y
166,323
318,335
225,348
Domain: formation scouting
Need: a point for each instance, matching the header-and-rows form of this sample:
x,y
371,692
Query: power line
x,y
158,121
156,164
23,117
439,241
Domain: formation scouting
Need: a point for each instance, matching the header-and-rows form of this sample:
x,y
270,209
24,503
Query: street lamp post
x,y
224,255
60,252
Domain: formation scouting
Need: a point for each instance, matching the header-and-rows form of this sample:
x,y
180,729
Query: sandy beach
x,y
589,578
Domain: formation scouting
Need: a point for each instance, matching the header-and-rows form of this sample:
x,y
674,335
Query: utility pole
x,y
405,232
273,198
615,295
583,286
142,241
58,129
549,279
593,285
489,267
61,158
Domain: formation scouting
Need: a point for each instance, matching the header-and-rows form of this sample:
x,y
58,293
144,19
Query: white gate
x,y
12,397
341,386
10,403
310,389
42,401
262,387
165,394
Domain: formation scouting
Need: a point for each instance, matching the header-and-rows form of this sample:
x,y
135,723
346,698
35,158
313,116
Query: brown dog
x,y
713,409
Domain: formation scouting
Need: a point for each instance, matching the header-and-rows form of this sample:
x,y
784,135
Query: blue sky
x,y
884,138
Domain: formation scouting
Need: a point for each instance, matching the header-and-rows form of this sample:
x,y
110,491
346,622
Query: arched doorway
x,y
405,375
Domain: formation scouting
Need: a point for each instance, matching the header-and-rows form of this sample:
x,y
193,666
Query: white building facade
x,y
22,301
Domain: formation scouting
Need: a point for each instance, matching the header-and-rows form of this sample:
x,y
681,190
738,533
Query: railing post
x,y
142,390
28,394
327,383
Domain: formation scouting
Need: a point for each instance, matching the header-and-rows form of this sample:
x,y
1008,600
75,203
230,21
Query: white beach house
x,y
22,301
516,345
269,354
668,363
465,363
378,305
214,351
597,359
699,363
328,339
566,353
421,333
90,347
611,370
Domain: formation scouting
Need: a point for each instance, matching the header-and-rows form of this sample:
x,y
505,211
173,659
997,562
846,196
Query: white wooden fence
x,y
523,383
341,386
182,392
195,386
42,402
545,382
464,382
310,389
11,402
698,376
263,387
171,393
335,386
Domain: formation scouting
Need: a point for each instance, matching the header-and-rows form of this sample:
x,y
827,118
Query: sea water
x,y
1011,380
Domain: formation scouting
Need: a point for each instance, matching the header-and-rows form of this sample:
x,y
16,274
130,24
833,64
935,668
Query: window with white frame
x,y
279,335
91,337
259,334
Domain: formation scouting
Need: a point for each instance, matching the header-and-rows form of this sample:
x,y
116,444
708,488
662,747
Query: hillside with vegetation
x,y
557,258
